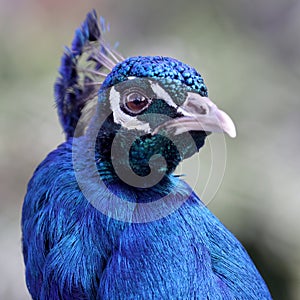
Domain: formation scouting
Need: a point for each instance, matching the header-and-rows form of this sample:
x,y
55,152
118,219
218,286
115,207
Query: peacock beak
x,y
199,113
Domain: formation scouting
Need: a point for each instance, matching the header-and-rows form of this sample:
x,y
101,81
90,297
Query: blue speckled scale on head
x,y
157,67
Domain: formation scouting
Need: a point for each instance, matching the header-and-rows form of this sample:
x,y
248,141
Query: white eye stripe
x,y
132,122
120,117
162,94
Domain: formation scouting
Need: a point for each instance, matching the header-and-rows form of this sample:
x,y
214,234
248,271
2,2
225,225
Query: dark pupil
x,y
136,102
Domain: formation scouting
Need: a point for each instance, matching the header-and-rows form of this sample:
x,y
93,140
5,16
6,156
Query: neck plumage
x,y
141,159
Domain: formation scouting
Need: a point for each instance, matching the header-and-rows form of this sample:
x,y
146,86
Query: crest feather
x,y
83,69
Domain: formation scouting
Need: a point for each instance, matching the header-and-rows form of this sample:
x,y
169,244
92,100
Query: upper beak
x,y
199,114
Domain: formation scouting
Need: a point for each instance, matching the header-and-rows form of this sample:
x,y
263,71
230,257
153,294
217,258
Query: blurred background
x,y
249,54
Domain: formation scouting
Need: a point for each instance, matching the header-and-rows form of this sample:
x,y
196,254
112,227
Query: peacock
x,y
104,216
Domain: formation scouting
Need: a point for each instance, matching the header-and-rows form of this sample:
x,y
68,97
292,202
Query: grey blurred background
x,y
249,55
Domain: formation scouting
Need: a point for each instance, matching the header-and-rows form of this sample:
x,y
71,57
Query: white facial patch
x,y
162,94
127,121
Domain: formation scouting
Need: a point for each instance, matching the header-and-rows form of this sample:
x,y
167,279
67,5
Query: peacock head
x,y
152,112
160,114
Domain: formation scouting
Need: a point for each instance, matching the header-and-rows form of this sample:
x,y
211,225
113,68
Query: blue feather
x,y
188,254
157,67
71,91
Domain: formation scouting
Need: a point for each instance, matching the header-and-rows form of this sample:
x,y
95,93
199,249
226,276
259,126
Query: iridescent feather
x,y
83,68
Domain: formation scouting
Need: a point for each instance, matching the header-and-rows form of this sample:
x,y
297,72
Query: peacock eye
x,y
136,102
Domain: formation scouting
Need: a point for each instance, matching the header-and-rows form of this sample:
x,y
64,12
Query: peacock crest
x,y
83,69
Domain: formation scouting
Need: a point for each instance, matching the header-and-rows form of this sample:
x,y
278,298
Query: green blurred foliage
x,y
248,53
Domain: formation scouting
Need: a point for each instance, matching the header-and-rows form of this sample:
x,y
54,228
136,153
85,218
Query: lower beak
x,y
199,114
